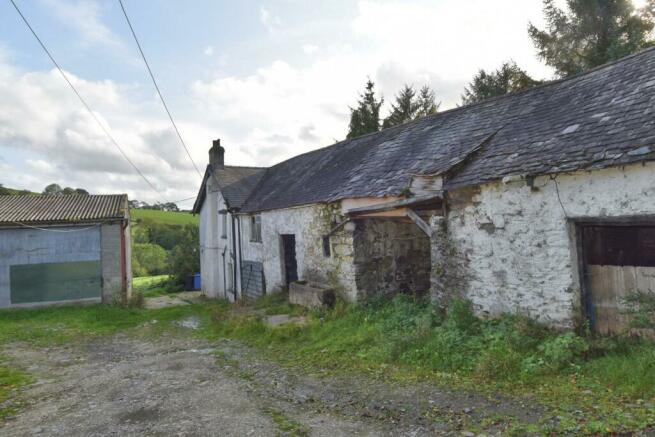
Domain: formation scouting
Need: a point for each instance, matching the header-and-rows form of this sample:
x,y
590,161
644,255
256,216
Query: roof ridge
x,y
244,166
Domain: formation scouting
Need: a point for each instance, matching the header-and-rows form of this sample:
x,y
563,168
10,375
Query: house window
x,y
223,225
326,246
256,228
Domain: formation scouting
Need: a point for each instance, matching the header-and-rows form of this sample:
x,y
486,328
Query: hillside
x,y
6,191
165,217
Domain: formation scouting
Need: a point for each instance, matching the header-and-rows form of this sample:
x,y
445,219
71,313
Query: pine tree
x,y
365,118
427,103
508,78
404,109
591,33
410,106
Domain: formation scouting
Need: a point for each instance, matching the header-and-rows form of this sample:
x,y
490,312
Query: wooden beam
x,y
419,222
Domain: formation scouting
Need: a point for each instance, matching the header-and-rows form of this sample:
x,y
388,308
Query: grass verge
x,y
152,286
588,385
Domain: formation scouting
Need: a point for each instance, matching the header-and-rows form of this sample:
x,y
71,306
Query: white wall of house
x,y
517,248
216,249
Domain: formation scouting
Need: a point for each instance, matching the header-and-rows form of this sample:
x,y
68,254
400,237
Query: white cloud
x,y
285,107
270,21
309,49
449,39
83,16
41,120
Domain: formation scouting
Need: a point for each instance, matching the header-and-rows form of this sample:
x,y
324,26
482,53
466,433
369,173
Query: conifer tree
x,y
592,32
365,118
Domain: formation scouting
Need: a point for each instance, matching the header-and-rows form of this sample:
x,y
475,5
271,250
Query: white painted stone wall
x,y
215,251
308,224
517,248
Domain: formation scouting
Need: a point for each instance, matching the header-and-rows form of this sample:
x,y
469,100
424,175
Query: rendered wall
x,y
215,251
110,255
512,248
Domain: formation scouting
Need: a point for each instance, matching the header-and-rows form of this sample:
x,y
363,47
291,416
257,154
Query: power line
x,y
152,76
79,96
57,230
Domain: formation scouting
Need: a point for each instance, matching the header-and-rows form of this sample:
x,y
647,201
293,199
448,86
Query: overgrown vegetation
x,y
165,243
591,385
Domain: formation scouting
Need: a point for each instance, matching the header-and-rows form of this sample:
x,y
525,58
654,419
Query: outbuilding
x,y
64,249
538,202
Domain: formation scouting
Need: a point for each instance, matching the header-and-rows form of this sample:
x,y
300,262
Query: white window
x,y
256,228
223,225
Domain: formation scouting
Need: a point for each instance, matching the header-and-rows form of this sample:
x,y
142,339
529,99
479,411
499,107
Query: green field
x,y
165,217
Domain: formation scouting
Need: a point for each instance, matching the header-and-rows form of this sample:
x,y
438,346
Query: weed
x,y
286,425
10,380
407,338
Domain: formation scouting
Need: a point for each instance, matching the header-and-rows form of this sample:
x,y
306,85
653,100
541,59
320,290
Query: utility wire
x,y
161,97
84,103
62,231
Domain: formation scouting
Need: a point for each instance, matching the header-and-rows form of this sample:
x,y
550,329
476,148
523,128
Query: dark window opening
x,y
326,246
619,245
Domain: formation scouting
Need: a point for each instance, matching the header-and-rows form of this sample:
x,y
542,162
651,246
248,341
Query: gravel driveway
x,y
179,385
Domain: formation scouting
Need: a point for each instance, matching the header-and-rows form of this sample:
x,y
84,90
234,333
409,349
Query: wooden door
x,y
290,263
618,260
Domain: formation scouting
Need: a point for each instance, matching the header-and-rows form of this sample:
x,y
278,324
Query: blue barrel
x,y
196,281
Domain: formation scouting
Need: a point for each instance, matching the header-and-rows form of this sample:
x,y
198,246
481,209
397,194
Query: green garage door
x,y
52,282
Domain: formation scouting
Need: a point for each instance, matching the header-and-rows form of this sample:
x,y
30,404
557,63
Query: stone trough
x,y
311,295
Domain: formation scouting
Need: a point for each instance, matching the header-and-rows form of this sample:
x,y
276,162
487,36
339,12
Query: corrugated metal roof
x,y
41,209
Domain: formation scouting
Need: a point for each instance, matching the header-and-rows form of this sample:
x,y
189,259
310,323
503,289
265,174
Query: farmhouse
x,y
539,202
63,249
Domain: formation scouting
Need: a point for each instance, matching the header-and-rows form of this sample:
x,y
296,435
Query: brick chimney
x,y
217,155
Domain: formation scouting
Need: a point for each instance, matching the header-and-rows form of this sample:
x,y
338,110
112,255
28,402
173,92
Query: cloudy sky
x,y
271,79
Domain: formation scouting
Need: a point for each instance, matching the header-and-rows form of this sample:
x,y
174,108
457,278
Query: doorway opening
x,y
617,260
289,257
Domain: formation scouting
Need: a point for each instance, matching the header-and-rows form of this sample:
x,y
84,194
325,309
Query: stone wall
x,y
391,256
515,245
309,224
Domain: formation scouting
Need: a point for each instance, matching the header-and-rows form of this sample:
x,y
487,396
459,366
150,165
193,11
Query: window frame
x,y
256,228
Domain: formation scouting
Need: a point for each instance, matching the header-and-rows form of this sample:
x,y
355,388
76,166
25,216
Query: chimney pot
x,y
217,155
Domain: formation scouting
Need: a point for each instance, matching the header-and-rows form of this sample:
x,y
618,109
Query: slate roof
x,y
236,184
604,117
40,209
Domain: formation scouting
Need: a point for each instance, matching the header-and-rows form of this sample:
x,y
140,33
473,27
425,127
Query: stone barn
x,y
538,202
64,249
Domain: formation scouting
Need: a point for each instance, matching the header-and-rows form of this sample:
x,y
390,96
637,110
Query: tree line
x,y
168,206
589,33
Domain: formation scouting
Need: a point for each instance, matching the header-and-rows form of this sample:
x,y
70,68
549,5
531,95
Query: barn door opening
x,y
618,259
290,263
